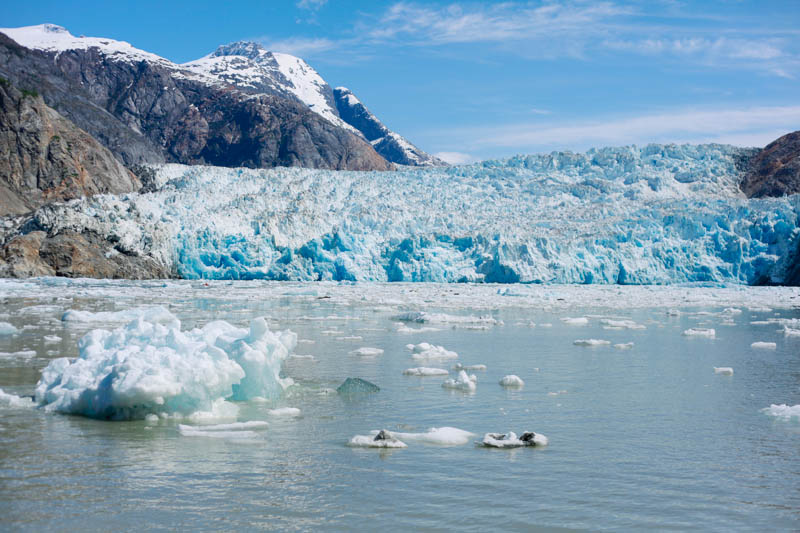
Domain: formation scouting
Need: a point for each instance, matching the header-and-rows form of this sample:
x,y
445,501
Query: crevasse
x,y
657,214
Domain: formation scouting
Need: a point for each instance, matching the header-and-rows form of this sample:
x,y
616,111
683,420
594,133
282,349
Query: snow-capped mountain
x,y
251,67
147,109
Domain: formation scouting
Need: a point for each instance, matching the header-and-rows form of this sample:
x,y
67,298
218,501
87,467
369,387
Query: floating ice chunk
x,y
51,339
402,328
284,411
356,386
424,350
577,321
381,439
459,366
546,325
724,370
510,440
147,367
157,314
760,345
783,411
306,341
367,352
425,371
24,354
350,338
233,426
464,382
12,400
187,431
7,329
673,312
591,342
731,311
511,381
621,324
151,418
556,393
442,318
789,332
759,309
443,436
624,346
298,357
700,332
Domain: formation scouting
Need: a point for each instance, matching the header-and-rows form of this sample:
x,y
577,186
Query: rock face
x,y
45,158
775,170
387,143
146,109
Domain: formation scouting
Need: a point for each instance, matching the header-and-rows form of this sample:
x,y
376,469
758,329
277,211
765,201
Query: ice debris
x,y
367,352
425,371
576,321
724,370
591,342
700,332
464,382
381,439
285,411
621,324
12,400
425,350
624,346
150,368
459,366
760,345
423,317
783,411
157,314
511,381
442,436
7,329
356,386
236,430
510,440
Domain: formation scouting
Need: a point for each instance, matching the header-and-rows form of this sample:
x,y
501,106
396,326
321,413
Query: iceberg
x,y
464,382
147,368
512,380
657,214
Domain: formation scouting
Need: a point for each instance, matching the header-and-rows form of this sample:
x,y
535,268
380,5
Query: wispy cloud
x,y
755,126
456,158
311,5
300,46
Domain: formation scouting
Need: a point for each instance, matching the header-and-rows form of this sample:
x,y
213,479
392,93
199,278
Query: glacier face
x,y
654,215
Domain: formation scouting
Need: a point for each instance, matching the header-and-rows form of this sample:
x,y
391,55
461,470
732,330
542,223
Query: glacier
x,y
658,214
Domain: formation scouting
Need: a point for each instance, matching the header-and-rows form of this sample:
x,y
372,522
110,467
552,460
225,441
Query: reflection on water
x,y
647,437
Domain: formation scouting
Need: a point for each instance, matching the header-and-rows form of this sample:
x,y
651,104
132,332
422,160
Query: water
x,y
643,438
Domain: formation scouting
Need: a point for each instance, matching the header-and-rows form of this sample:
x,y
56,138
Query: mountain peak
x,y
247,49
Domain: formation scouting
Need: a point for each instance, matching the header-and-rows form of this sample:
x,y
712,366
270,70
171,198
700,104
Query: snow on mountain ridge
x,y
658,214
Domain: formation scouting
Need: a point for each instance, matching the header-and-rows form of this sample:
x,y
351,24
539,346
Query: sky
x,y
481,80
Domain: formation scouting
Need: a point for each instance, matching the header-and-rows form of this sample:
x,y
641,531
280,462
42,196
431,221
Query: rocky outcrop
x,y
775,170
45,158
389,144
146,109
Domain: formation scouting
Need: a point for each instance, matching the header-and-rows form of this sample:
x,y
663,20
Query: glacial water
x,y
645,437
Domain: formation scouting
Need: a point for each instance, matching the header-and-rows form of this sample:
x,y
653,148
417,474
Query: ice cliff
x,y
656,214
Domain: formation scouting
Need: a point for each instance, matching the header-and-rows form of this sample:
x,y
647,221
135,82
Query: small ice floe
x,y
350,338
591,342
764,345
383,439
789,332
331,332
423,371
510,440
709,333
464,382
546,325
556,393
285,411
759,309
443,436
621,324
512,381
7,329
724,370
24,354
473,368
673,312
356,386
424,350
783,411
576,321
367,352
402,328
236,430
299,357
731,311
157,314
423,317
12,400
51,339
306,341
624,346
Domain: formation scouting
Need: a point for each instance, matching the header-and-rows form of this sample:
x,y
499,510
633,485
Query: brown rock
x,y
775,170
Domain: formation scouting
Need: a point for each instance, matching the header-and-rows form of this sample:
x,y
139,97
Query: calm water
x,y
643,438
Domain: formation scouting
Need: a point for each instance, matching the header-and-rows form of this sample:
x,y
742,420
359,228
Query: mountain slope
x,y
775,170
146,109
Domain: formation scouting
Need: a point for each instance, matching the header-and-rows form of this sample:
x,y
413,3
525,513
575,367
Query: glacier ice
x,y
783,411
656,214
724,370
761,345
423,371
512,380
463,382
510,440
7,329
147,368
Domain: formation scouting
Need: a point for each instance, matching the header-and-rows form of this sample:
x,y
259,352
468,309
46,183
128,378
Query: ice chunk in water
x,y
783,411
624,346
700,332
381,439
724,370
510,440
764,345
577,321
459,366
464,382
12,400
356,386
7,329
512,381
284,411
443,436
367,352
591,342
425,371
424,350
148,367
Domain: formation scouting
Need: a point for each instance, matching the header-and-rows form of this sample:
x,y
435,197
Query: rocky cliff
x,y
775,170
46,158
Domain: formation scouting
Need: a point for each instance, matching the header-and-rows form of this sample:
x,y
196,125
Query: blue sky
x,y
490,79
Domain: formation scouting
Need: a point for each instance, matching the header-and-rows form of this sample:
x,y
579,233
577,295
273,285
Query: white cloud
x,y
755,126
455,158
311,5
301,47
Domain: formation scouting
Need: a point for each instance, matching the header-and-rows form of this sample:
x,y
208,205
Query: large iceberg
x,y
656,214
146,368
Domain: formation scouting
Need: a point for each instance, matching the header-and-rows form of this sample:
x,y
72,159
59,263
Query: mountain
x,y
45,158
387,143
146,109
775,170
252,68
